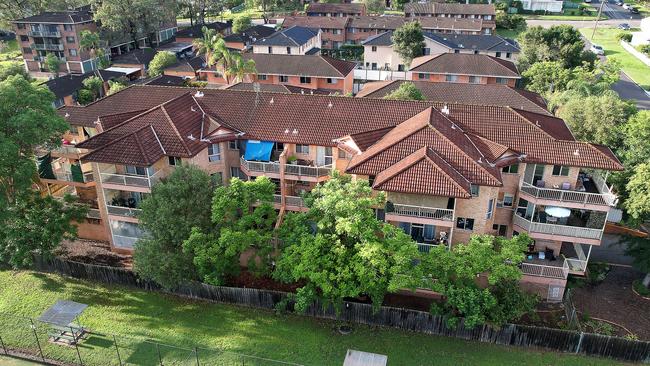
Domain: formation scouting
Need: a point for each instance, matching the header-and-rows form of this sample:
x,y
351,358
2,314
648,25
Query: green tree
x,y
11,10
241,23
175,206
639,249
53,64
408,41
637,139
13,68
28,222
546,76
375,6
510,21
115,85
95,85
91,42
339,249
638,201
160,62
561,43
239,69
454,272
406,91
243,219
207,43
84,96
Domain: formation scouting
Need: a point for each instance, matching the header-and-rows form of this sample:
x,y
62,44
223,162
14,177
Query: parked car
x,y
597,49
624,26
619,2
634,10
626,6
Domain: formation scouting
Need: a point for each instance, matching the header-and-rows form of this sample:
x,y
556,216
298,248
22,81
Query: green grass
x,y
510,33
10,361
176,321
633,67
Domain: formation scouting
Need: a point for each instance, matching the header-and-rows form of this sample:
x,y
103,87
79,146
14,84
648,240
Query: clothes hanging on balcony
x,y
77,174
258,150
45,167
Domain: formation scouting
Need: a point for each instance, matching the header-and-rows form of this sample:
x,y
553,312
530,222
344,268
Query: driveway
x,y
610,251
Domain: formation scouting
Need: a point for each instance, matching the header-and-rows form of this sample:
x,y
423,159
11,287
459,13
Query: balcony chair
x,y
540,184
566,185
549,254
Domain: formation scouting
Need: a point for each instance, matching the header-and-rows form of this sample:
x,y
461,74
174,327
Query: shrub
x,y
645,49
624,36
640,289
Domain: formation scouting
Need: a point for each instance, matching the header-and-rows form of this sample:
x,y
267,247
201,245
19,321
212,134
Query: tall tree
x,y
546,77
160,62
11,10
339,249
241,23
207,43
408,41
175,206
406,91
375,6
243,220
639,250
638,201
239,69
28,222
91,42
561,43
637,139
53,64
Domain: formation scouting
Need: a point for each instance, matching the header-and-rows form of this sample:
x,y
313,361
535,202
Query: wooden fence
x,y
405,319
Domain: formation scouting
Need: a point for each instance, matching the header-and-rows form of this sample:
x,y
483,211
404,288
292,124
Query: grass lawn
x,y
10,361
564,17
147,315
509,33
633,67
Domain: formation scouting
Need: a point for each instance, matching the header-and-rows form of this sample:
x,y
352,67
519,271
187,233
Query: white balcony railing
x,y
561,195
44,33
541,270
126,242
424,212
123,211
576,265
260,167
293,201
47,46
368,74
131,180
291,169
552,229
425,248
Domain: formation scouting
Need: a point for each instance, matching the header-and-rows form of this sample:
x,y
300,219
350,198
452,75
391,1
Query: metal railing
x,y
123,211
66,176
425,212
291,169
569,196
576,265
259,166
293,201
47,47
44,33
541,270
552,229
131,180
121,241
425,248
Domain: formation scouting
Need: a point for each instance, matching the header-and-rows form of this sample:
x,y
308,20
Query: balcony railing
x,y
66,176
123,211
424,212
541,270
126,242
44,33
47,46
577,265
425,248
563,230
143,181
606,199
291,169
293,201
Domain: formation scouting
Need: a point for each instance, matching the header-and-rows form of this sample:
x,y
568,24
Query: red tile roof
x,y
465,64
300,65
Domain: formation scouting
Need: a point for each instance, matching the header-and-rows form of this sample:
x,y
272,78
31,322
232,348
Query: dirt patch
x,y
92,252
613,300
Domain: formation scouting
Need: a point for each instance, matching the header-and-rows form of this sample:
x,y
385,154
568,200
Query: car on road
x,y
624,26
597,49
619,2
626,6
634,10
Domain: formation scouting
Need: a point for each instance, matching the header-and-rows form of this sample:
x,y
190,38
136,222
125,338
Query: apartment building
x,y
291,41
66,88
188,35
59,33
244,39
332,28
464,68
486,12
450,170
336,10
379,54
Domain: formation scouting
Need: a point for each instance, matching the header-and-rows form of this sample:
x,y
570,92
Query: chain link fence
x,y
23,336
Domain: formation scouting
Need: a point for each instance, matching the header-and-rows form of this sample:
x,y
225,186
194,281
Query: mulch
x,y
92,252
614,300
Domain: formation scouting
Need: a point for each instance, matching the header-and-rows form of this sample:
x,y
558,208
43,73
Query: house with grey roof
x,y
295,40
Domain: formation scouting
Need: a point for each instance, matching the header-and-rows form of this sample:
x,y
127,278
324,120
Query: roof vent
x,y
271,101
445,109
199,94
311,92
537,123
480,160
330,105
67,114
192,109
576,153
294,131
302,92
286,131
191,137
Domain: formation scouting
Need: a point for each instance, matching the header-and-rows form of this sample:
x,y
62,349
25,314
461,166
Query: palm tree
x,y
90,41
206,45
240,68
221,57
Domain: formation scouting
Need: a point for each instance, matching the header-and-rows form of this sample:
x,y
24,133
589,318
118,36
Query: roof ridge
x,y
429,150
139,144
119,139
518,112
421,151
173,125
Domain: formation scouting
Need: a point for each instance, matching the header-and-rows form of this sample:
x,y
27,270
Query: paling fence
x,y
405,319
570,311
22,336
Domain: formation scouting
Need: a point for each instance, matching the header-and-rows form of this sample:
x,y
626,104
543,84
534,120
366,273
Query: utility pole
x,y
600,11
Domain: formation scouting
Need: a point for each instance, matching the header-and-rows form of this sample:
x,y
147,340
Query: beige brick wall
x,y
475,208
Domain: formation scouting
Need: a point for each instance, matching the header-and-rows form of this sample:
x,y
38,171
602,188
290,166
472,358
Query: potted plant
x,y
291,159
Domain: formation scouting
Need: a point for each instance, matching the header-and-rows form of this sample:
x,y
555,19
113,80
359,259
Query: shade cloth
x,y
258,150
62,313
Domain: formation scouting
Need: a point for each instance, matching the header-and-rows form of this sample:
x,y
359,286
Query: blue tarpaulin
x,y
258,150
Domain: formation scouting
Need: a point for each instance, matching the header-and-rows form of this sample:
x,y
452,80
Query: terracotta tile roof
x,y
465,64
300,65
428,23
316,22
484,94
423,172
336,8
319,120
436,8
109,121
278,88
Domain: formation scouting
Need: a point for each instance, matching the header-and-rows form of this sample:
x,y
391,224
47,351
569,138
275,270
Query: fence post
x,y
40,350
196,353
159,356
4,348
74,340
117,350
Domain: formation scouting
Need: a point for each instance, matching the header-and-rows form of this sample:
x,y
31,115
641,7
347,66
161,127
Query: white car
x,y
627,6
597,49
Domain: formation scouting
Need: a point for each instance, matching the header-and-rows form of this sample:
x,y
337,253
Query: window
x,y
261,77
373,48
270,49
305,80
474,79
451,78
20,25
374,66
490,209
72,52
371,180
288,50
465,223
511,169
474,190
456,51
328,156
508,199
235,172
508,54
336,31
67,27
502,81
24,38
214,153
69,39
498,54
27,50
400,67
426,51
174,161
302,149
422,76
331,81
476,52
501,230
284,79
343,154
234,145
560,170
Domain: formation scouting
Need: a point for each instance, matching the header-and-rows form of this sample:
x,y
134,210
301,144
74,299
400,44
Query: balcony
x,y
48,47
560,270
421,214
538,230
44,33
425,247
272,169
590,190
130,180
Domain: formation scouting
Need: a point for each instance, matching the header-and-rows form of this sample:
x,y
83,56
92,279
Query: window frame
x,y
212,154
237,145
451,78
561,172
465,223
302,149
474,187
511,197
508,169
284,79
174,161
305,80
490,209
